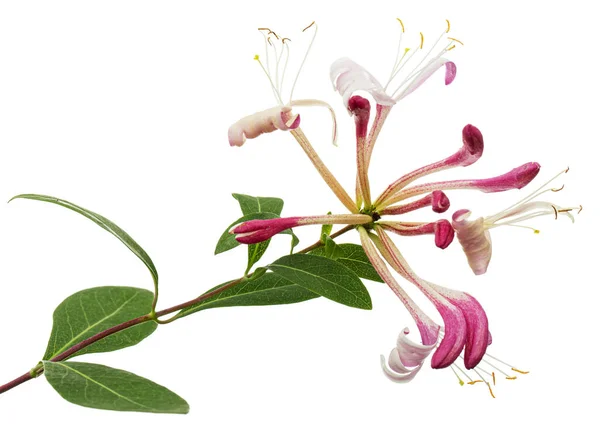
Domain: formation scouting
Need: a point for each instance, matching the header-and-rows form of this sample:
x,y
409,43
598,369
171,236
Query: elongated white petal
x,y
426,73
348,77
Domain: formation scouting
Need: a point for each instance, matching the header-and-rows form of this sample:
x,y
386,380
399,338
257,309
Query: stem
x,y
331,181
153,316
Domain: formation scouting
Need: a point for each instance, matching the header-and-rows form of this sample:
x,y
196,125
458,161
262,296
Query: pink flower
x,y
464,335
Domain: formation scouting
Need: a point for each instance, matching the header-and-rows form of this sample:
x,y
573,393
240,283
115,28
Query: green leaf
x,y
332,250
295,239
227,240
267,289
91,311
255,252
353,257
105,224
325,277
257,204
102,387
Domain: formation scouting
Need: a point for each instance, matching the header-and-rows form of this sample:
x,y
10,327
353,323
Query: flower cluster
x,y
464,336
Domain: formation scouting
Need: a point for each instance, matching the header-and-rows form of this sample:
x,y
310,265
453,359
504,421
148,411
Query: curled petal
x,y
426,73
262,122
406,359
475,240
348,77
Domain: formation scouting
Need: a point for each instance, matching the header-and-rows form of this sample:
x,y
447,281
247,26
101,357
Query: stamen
x,y
457,376
305,56
422,40
451,47
494,378
559,189
519,371
448,29
473,382
555,212
463,372
284,39
511,378
306,28
402,24
490,388
580,208
456,40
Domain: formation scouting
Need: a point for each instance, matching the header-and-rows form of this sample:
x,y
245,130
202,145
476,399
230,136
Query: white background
x,y
123,107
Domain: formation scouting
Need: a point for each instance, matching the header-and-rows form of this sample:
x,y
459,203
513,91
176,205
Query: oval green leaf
x,y
258,204
325,277
353,257
267,289
105,224
91,311
106,388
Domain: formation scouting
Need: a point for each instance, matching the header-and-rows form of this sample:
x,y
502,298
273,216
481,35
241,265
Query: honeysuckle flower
x,y
463,336
474,235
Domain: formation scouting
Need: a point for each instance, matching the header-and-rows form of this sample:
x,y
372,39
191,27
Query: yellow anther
x,y
580,208
450,48
473,382
448,29
559,189
306,28
457,376
401,24
490,388
536,231
511,377
494,378
406,50
256,58
518,371
264,29
456,40
422,40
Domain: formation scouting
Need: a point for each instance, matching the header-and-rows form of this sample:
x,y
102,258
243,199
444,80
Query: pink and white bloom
x,y
474,235
463,334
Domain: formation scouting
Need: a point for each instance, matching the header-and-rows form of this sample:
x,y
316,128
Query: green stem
x,y
152,316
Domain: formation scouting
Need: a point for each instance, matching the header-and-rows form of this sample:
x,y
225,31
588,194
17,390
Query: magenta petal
x,y
478,337
455,335
450,72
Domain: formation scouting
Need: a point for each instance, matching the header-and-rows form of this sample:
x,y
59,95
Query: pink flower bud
x,y
360,109
514,179
444,233
439,201
255,231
